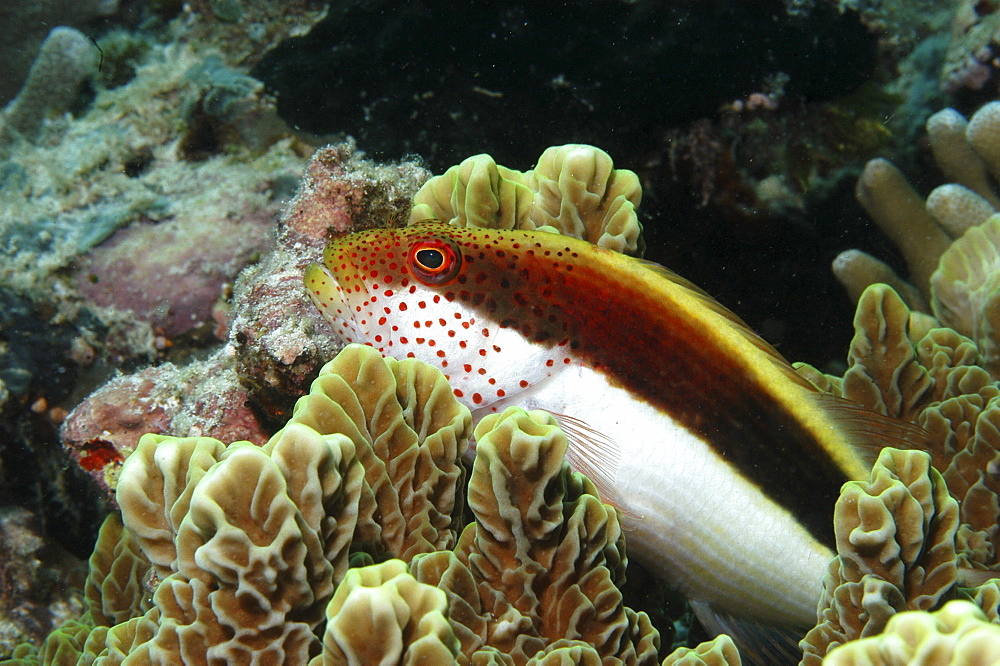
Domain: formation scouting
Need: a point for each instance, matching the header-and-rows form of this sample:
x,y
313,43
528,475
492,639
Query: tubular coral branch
x,y
65,61
899,211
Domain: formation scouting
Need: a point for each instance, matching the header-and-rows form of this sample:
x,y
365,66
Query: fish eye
x,y
435,260
429,258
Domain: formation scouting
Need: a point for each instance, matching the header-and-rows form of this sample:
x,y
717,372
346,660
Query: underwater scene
x,y
500,333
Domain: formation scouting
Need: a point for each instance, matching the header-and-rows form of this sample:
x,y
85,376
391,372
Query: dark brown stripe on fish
x,y
615,323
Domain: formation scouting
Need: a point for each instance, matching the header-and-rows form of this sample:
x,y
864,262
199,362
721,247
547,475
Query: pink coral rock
x,y
202,398
171,274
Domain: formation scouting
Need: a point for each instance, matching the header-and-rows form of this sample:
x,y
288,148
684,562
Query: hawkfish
x,y
724,462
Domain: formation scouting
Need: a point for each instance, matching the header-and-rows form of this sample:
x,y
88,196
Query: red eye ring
x,y
434,260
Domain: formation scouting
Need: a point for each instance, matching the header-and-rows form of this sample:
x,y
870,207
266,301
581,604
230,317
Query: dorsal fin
x,y
870,432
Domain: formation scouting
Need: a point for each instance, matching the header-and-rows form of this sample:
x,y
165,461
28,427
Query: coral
x,y
935,360
409,431
544,559
199,260
966,152
904,365
975,33
720,651
66,60
204,566
116,587
966,287
958,633
243,32
238,568
573,189
895,551
341,193
27,24
243,567
900,212
120,163
385,601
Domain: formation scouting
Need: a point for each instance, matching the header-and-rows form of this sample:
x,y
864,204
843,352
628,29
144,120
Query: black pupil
x,y
430,259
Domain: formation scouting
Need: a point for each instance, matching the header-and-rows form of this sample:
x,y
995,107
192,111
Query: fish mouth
x,y
339,305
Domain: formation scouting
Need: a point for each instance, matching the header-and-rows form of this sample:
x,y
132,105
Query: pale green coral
x,y
720,651
966,287
409,432
245,549
895,551
959,633
380,614
544,559
574,190
931,377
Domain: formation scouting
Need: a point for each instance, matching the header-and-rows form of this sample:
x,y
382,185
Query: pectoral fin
x,y
594,454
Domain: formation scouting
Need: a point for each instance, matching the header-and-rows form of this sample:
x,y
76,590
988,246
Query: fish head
x,y
488,308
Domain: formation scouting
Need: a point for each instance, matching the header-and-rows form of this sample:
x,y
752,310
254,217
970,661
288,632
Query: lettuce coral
x,y
720,651
367,471
573,189
385,601
896,551
203,566
544,559
409,432
959,633
903,364
928,354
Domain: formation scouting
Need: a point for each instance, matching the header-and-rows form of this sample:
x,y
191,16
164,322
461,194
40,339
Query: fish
x,y
724,462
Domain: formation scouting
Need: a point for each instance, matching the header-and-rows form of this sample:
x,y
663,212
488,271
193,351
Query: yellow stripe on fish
x,y
725,463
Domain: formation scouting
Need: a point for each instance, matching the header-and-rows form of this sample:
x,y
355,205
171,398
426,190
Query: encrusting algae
x,y
353,525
